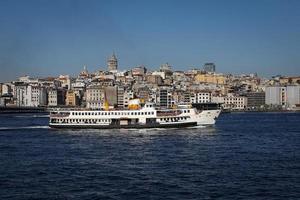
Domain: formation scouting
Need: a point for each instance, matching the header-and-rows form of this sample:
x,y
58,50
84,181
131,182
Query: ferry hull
x,y
132,126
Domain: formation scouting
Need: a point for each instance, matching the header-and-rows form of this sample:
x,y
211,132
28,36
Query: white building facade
x,y
235,102
285,96
94,97
201,97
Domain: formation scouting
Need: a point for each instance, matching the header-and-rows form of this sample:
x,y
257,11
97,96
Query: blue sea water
x,y
244,156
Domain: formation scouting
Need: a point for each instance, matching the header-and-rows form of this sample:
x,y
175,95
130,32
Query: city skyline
x,y
48,38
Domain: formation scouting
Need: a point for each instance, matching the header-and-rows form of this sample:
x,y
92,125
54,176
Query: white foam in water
x,y
23,127
30,116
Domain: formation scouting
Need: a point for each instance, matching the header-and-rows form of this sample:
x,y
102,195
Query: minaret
x,y
112,63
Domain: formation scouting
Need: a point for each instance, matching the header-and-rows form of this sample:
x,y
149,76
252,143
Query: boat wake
x,y
195,127
22,127
31,116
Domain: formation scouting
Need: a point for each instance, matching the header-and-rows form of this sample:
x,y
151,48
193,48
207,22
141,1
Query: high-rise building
x,y
112,63
120,98
165,98
209,67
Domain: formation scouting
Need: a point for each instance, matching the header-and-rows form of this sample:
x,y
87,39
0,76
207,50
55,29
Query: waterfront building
x,y
37,96
79,88
187,97
71,98
124,96
111,97
201,97
21,94
255,99
209,67
56,97
6,89
218,99
292,96
94,96
29,95
275,96
234,102
128,95
112,63
6,100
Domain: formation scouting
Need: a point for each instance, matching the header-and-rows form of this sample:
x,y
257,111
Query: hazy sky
x,y
52,37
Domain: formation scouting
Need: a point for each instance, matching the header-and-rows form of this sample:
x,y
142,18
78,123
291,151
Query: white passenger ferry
x,y
144,117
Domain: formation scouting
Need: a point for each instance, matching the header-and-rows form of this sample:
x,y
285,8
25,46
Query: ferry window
x,y
142,113
188,111
152,113
139,113
105,113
